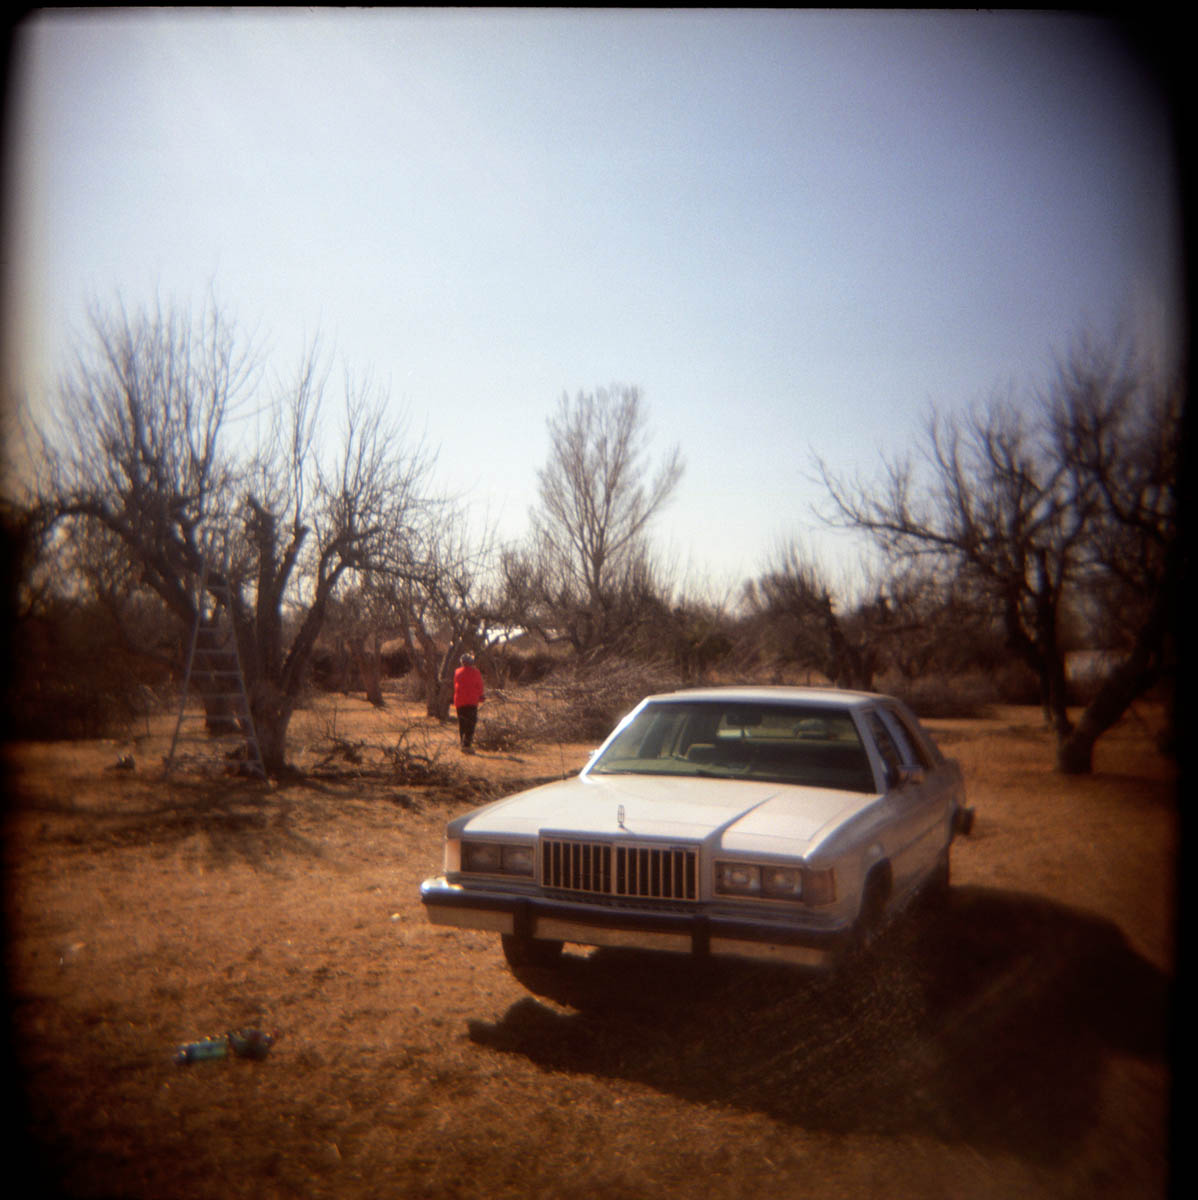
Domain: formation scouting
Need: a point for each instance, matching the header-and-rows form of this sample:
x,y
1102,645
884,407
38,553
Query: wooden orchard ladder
x,y
214,659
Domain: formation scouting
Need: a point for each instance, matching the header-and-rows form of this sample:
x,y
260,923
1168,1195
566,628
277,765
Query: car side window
x,y
907,737
910,749
884,742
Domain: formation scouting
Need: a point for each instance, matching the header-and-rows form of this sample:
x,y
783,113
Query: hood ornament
x,y
620,816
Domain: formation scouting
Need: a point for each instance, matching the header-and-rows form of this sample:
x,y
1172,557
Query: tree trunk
x,y
1054,693
272,711
1129,681
440,699
220,717
370,669
272,742
436,702
1075,753
440,685
1142,668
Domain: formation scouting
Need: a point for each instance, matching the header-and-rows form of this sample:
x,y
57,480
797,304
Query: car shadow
x,y
987,1022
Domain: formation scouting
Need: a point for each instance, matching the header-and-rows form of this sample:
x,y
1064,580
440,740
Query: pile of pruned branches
x,y
415,760
579,704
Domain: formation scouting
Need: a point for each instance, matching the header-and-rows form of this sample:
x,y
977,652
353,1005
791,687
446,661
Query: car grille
x,y
650,872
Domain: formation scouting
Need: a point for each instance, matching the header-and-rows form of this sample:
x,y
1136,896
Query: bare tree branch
x,y
1032,507
148,440
598,498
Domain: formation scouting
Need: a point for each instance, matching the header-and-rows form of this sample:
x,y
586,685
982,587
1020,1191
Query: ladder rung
x,y
217,644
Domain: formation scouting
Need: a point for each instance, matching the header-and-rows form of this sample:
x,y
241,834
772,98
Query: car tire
x,y
936,890
530,952
871,918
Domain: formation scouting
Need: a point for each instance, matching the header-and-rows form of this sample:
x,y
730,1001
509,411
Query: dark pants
x,y
467,719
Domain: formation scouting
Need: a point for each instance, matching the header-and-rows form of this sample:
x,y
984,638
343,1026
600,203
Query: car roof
x,y
825,697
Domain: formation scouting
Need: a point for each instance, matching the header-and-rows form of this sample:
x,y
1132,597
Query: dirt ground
x,y
1013,1045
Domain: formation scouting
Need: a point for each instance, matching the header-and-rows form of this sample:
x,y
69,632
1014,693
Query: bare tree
x,y
793,604
896,620
440,602
702,637
937,625
598,497
1123,436
1028,507
146,439
358,623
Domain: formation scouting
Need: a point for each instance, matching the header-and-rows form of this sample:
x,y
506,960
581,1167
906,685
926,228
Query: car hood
x,y
748,816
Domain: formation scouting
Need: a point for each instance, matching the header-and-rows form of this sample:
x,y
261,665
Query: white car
x,y
786,824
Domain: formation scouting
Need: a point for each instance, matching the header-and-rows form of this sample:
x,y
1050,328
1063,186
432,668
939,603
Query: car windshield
x,y
781,743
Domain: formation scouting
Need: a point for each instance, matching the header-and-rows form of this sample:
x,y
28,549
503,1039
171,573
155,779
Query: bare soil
x,y
1014,1044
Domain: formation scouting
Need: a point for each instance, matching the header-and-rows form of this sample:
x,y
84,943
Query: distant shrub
x,y
395,660
60,712
944,696
524,669
334,668
73,678
328,669
1016,683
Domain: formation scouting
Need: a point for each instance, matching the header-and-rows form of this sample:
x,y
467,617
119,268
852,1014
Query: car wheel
x,y
941,877
530,952
935,891
870,919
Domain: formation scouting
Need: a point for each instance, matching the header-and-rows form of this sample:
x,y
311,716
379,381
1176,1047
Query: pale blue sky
x,y
794,231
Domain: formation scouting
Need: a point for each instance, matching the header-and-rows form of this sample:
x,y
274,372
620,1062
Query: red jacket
x,y
467,687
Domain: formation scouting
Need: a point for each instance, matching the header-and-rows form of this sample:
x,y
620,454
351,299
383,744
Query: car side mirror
x,y
900,776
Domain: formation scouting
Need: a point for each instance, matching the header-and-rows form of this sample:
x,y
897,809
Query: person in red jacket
x,y
467,696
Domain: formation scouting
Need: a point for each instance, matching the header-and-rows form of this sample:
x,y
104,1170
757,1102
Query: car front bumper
x,y
702,932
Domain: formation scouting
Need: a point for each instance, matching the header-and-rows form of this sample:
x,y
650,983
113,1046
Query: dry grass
x,y
1014,1046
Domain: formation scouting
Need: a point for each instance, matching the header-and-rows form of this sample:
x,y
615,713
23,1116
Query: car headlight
x,y
518,860
497,858
772,882
738,879
784,883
